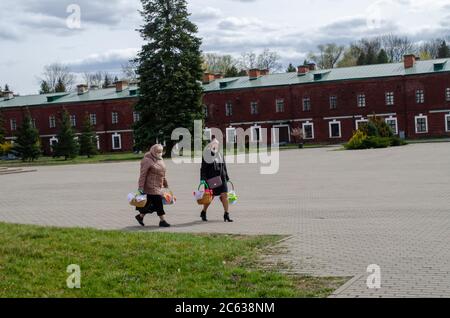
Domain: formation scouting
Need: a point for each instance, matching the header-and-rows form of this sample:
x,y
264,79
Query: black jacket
x,y
215,169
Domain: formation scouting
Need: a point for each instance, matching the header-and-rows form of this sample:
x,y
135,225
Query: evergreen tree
x,y
291,68
371,57
45,88
361,59
243,73
60,86
6,88
116,79
444,51
382,57
67,146
170,69
27,143
88,142
107,81
232,72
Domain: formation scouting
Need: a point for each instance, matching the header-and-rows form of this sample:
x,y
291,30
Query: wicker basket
x,y
204,197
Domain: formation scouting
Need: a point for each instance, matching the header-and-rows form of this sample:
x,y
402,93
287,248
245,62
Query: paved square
x,y
345,210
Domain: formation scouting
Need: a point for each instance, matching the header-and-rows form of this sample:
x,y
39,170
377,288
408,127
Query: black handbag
x,y
215,182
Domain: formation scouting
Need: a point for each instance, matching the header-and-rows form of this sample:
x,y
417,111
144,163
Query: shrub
x,y
5,148
376,142
357,141
397,141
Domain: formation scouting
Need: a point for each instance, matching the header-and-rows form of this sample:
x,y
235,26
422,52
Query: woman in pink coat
x,y
151,182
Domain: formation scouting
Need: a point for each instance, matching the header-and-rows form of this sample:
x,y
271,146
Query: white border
x,y
273,133
426,123
120,141
447,127
396,123
358,121
227,135
303,128
253,135
340,129
206,132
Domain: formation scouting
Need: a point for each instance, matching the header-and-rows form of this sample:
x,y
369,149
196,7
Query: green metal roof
x,y
336,74
73,97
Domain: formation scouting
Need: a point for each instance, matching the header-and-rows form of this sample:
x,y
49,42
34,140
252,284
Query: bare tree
x,y
93,79
268,60
248,61
57,73
129,71
396,47
216,63
328,55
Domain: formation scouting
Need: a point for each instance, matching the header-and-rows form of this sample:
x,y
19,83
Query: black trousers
x,y
154,204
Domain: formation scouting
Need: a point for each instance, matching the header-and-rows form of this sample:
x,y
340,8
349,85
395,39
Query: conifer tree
x,y
88,141
27,144
67,146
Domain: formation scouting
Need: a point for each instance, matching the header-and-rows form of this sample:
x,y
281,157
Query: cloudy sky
x,y
34,33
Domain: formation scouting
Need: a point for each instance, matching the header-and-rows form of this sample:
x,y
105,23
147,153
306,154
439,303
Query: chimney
x,y
303,69
121,86
254,73
265,72
409,61
208,78
218,76
312,66
81,89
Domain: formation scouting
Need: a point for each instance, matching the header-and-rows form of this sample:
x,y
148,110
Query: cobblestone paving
x,y
343,211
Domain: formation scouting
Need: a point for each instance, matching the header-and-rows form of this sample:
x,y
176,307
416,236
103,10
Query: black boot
x,y
226,217
140,220
164,224
203,216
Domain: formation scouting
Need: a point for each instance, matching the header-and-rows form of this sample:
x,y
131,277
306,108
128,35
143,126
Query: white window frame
x,y
33,123
228,109
52,121
115,118
390,98
93,119
447,94
330,130
73,121
254,105
426,124
228,135
252,133
13,124
312,129
206,132
97,137
53,140
136,116
360,99
386,120
359,121
206,111
279,102
447,126
120,141
333,97
274,127
306,100
422,96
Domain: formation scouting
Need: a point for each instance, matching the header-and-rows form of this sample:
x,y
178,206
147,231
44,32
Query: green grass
x,y
33,262
49,161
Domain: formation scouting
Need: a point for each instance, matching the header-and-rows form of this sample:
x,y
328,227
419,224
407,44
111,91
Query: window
x,y
447,123
207,134
231,135
53,142
306,104
52,121
73,120
254,108
136,117
115,118
33,123
333,102
360,123
308,130
392,122
280,106
205,110
447,94
421,124
361,100
13,124
97,138
420,96
93,118
390,98
228,109
256,134
116,141
335,129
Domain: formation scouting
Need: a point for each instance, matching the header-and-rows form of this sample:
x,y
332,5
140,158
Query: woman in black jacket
x,y
213,165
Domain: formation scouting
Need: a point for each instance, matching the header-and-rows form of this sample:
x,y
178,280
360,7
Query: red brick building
x,y
110,111
328,105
